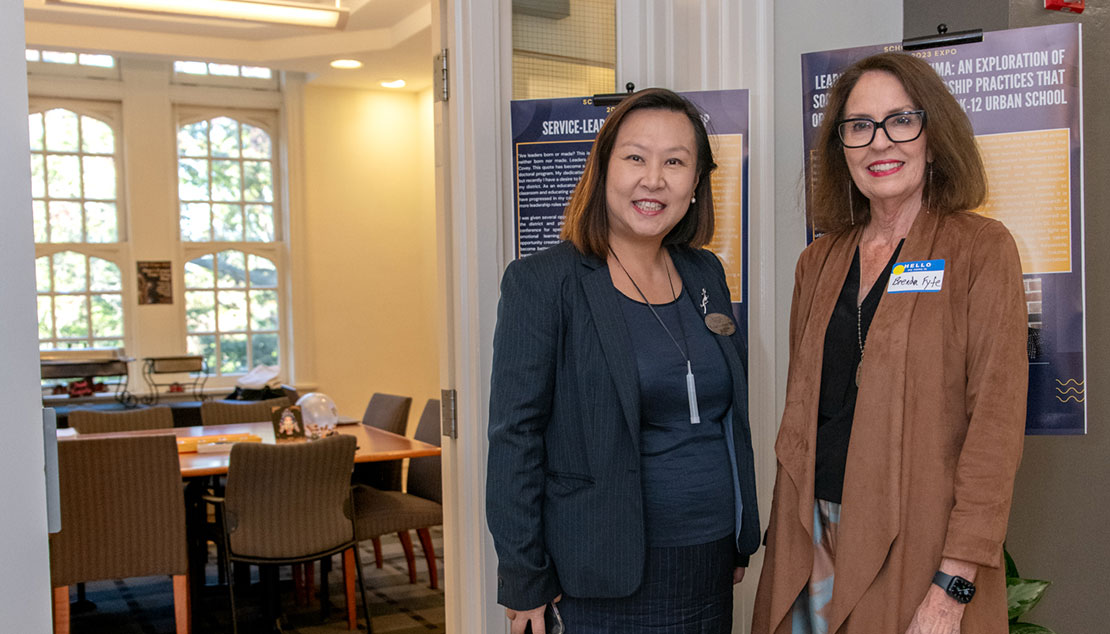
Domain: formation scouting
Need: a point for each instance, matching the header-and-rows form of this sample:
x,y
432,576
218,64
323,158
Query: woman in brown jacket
x,y
905,403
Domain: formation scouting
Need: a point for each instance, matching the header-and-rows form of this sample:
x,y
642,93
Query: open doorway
x,y
294,211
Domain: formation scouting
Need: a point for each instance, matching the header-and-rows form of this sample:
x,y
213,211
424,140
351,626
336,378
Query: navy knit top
x,y
685,469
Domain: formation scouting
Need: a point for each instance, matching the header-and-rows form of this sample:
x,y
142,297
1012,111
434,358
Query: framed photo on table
x,y
288,423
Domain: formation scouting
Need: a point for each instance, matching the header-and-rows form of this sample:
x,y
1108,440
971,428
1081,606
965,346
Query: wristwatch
x,y
957,587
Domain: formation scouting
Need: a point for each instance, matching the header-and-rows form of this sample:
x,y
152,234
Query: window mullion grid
x,y
248,303
242,206
46,193
211,199
216,303
53,295
81,190
88,300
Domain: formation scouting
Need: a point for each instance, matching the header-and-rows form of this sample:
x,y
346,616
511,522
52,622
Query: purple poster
x,y
553,137
1022,91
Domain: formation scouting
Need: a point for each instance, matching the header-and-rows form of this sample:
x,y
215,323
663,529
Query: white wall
x,y
805,26
369,246
25,586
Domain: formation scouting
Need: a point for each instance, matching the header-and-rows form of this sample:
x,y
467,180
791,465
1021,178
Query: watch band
x,y
957,587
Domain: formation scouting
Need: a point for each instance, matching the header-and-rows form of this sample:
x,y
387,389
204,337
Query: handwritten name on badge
x,y
926,276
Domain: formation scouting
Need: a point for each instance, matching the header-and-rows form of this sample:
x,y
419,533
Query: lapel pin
x,y
704,300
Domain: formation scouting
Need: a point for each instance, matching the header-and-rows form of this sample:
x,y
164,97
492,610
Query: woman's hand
x,y
738,575
519,619
938,612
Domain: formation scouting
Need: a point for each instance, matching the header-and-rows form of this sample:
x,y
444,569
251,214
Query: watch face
x,y
961,590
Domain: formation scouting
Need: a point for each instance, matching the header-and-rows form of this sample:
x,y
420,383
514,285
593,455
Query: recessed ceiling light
x,y
400,83
346,64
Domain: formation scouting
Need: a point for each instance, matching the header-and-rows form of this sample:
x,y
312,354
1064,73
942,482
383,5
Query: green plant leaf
x,y
1029,628
1011,567
1022,595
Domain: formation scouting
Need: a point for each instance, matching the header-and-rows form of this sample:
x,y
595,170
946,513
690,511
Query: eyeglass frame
x,y
880,125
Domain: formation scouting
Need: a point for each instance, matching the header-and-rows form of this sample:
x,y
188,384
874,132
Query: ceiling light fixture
x,y
270,11
346,64
400,83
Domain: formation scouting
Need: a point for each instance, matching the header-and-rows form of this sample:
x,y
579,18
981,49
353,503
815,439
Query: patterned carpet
x,y
145,605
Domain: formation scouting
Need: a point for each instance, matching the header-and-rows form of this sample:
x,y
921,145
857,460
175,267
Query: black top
x,y
686,473
838,377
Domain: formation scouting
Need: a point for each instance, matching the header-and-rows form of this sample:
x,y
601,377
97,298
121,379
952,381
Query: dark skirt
x,y
685,590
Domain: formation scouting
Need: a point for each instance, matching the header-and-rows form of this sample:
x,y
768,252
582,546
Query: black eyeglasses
x,y
900,127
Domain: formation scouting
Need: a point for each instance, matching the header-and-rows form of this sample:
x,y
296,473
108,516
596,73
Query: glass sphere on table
x,y
319,414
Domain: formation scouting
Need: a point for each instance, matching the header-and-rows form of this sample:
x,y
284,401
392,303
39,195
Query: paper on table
x,y
190,444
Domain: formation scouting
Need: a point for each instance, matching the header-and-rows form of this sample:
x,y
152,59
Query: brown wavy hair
x,y
586,222
957,181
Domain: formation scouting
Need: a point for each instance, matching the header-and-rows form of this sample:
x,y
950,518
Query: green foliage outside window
x,y
231,310
80,301
225,181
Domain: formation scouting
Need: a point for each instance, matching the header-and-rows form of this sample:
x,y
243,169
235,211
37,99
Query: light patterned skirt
x,y
810,612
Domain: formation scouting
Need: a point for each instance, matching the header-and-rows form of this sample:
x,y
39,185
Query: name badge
x,y
926,276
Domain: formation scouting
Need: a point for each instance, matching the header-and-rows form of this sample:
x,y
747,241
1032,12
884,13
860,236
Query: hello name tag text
x,y
926,276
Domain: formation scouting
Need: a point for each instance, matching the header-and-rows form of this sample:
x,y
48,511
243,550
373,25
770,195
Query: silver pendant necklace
x,y
691,388
859,340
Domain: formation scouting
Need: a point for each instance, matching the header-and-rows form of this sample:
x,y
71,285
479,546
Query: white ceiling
x,y
392,38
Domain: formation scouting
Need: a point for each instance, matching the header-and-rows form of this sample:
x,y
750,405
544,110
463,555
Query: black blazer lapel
x,y
615,343
696,277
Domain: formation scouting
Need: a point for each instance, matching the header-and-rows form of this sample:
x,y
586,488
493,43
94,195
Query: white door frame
x,y
471,208
474,219
24,594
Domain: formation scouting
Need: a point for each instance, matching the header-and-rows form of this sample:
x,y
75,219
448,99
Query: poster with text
x,y
1022,91
553,137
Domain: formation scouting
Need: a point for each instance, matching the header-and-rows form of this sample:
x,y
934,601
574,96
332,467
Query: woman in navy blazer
x,y
620,464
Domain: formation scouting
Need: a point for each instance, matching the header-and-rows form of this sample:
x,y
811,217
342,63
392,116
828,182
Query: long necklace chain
x,y
691,388
685,357
859,330
859,340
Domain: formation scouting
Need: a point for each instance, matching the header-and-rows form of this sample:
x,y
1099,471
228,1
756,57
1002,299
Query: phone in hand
x,y
552,620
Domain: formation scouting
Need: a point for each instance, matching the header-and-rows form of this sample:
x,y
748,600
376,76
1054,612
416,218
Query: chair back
x,y
425,474
291,393
391,413
289,500
123,510
388,412
89,421
231,412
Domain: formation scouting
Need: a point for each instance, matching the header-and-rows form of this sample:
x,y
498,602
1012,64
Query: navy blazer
x,y
563,496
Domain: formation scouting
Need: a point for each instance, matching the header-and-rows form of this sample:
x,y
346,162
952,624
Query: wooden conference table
x,y
374,445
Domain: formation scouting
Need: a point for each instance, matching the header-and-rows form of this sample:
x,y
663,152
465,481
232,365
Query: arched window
x,y
75,184
229,230
225,181
74,177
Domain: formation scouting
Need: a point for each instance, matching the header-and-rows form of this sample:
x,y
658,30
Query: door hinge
x,y
449,413
439,71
